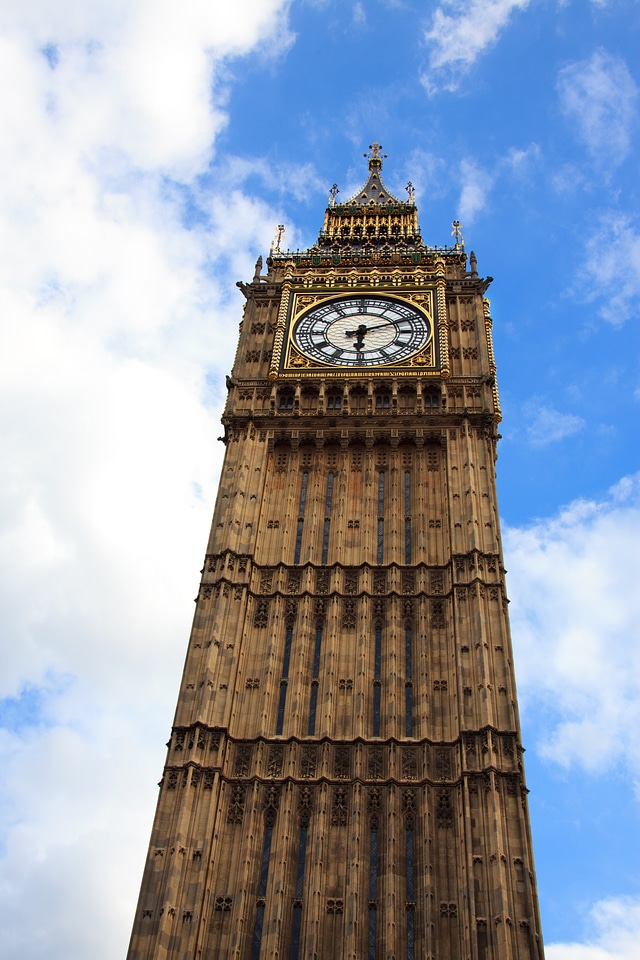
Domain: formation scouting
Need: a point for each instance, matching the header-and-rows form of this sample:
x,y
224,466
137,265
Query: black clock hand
x,y
364,329
359,335
379,326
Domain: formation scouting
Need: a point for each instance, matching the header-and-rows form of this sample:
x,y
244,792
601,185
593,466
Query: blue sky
x,y
149,150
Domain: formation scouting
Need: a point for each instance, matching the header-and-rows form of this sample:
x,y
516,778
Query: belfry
x,y
344,777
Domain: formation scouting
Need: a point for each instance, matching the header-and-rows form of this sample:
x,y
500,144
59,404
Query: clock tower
x,y
344,777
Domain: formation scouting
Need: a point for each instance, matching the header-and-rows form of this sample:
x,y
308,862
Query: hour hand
x,y
359,335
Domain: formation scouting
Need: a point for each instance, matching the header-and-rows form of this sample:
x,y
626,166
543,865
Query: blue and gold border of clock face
x,y
357,332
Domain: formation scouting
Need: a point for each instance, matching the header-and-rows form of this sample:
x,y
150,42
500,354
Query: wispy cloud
x,y
574,611
358,14
456,39
612,263
476,184
599,97
547,425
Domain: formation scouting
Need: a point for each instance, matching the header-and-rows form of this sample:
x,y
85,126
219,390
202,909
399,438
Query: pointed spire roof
x,y
374,190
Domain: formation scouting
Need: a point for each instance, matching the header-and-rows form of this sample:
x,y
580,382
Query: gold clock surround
x,y
423,360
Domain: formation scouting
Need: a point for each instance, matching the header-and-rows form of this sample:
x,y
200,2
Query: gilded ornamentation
x,y
297,359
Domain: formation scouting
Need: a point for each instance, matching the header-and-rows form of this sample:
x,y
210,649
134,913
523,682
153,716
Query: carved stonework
x,y
261,617
341,763
348,613
293,581
374,805
345,773
322,581
380,583
444,809
351,581
339,813
437,582
409,764
408,582
437,614
235,813
308,762
275,762
375,767
443,764
242,761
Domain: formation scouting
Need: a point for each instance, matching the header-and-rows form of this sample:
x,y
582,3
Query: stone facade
x,y
344,778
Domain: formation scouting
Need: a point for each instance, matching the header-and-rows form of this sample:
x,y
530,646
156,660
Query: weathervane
x,y
456,232
275,243
411,190
333,194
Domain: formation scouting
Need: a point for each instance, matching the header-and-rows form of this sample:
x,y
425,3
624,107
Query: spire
x,y
374,192
375,157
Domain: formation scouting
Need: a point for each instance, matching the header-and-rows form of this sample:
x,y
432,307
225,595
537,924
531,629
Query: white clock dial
x,y
361,332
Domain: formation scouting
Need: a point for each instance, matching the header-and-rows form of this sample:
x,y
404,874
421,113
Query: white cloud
x,y
428,174
616,934
521,160
575,611
548,425
118,328
612,264
476,186
457,39
358,16
599,96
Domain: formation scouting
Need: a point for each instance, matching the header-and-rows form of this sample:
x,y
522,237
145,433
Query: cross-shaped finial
x,y
333,194
411,190
375,154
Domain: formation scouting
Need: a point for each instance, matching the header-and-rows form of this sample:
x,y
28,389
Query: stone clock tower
x,y
344,776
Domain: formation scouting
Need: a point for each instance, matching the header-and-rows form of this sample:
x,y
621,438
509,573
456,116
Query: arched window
x,y
358,399
406,398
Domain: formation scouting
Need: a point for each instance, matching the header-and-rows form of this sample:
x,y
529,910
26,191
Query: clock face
x,y
361,332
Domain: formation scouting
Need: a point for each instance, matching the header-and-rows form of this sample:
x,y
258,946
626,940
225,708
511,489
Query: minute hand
x,y
379,326
363,329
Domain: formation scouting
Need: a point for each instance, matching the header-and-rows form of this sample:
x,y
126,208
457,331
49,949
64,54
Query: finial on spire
x,y
375,157
411,191
276,242
457,233
333,194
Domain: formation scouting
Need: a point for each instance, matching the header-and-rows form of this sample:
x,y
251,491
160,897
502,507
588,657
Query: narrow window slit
x,y
407,517
377,666
303,503
411,895
373,889
262,887
297,906
327,518
314,682
380,517
408,668
283,681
